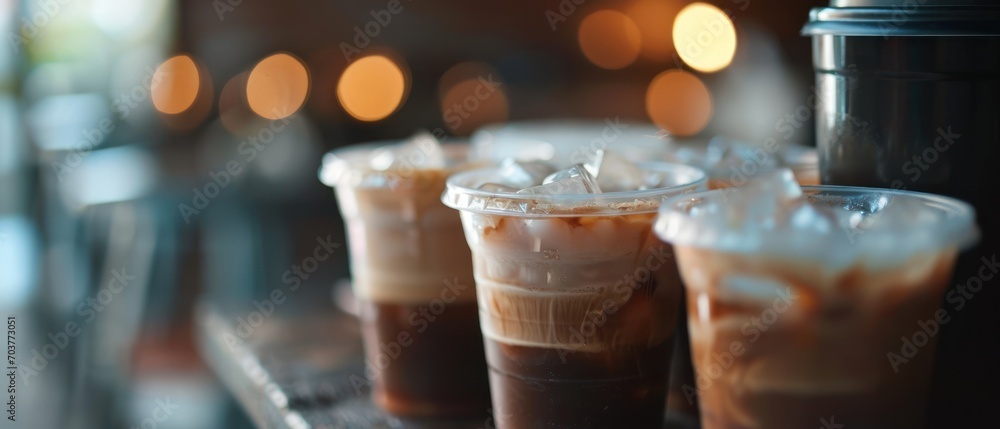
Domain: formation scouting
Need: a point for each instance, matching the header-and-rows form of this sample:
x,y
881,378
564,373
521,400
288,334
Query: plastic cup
x,y
564,142
578,299
808,327
412,278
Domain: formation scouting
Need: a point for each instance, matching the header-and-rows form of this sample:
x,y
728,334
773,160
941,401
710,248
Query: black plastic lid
x,y
893,18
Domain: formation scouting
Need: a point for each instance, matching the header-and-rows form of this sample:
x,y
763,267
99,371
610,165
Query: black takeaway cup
x,y
908,97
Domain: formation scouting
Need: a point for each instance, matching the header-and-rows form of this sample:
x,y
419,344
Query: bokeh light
x,y
372,88
704,37
679,102
653,18
472,95
609,39
277,86
175,85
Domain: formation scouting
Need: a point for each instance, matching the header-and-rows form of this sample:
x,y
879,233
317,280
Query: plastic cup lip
x,y
957,228
350,164
555,128
564,141
461,193
697,152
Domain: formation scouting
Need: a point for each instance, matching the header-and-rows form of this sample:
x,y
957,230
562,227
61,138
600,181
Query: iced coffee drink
x,y
578,299
564,142
412,277
814,306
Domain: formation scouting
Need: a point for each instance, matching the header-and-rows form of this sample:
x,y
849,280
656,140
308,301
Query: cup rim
x,y
461,193
351,164
957,229
553,140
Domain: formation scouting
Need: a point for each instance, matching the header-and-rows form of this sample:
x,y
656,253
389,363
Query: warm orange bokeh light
x,y
175,85
679,102
609,39
653,17
277,86
472,95
704,37
372,88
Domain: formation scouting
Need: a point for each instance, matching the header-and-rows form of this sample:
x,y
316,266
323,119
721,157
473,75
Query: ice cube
x,y
758,204
804,216
383,158
422,151
778,184
524,174
720,148
573,180
696,154
496,187
727,152
574,171
614,172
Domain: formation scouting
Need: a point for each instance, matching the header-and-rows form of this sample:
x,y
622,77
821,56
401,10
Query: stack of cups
x,y
589,269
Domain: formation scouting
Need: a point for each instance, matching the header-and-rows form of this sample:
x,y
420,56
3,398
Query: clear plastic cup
x,y
412,278
578,299
810,321
564,142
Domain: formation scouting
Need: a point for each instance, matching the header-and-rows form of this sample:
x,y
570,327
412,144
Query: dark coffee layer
x,y
439,370
551,388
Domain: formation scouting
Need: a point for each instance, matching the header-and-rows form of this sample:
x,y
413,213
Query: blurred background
x,y
156,152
